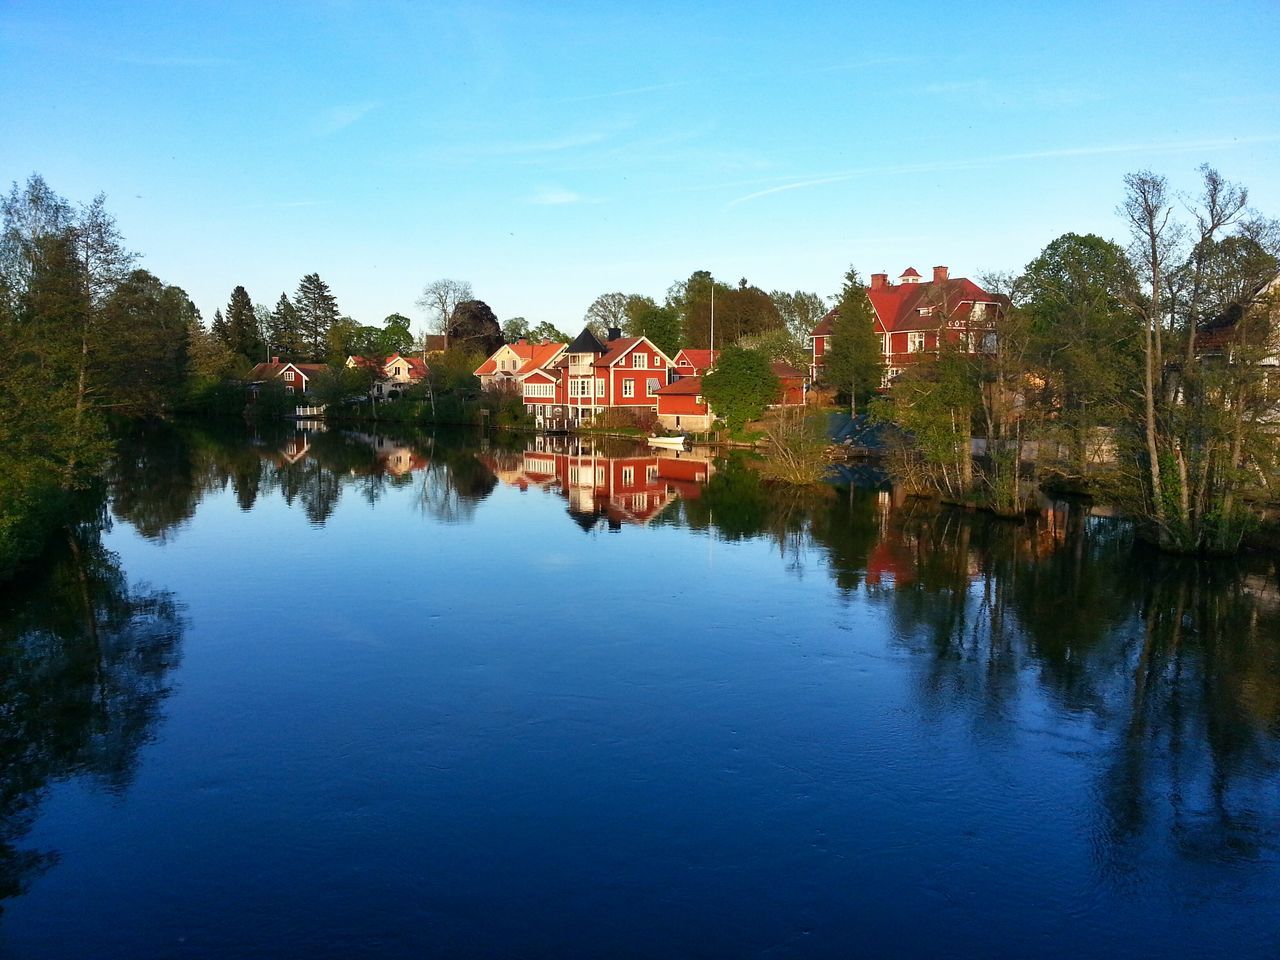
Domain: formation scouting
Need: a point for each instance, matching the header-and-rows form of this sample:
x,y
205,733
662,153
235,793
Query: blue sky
x,y
548,153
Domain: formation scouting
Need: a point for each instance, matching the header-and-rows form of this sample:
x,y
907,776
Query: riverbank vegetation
x,y
1143,374
1138,373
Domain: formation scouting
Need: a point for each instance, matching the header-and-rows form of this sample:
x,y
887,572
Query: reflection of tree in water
x,y
453,486
84,664
1176,662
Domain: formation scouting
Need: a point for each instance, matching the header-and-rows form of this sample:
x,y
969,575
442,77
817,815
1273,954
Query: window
x,y
600,387
628,387
651,472
639,360
698,398
288,390
926,311
884,337
989,343
915,342
628,476
288,375
653,383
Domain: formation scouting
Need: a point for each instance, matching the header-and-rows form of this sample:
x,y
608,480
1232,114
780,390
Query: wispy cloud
x,y
868,62
977,163
342,116
517,149
629,92
557,197
146,61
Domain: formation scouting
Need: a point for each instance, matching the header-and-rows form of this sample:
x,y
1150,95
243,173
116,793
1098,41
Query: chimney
x,y
614,334
940,274
879,281
275,359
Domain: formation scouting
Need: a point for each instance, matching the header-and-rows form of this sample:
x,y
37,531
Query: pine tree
x,y
283,333
854,364
243,335
219,330
317,311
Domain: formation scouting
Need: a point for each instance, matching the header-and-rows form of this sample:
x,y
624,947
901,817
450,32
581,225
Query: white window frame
x,y
628,476
915,341
599,386
652,386
639,361
628,387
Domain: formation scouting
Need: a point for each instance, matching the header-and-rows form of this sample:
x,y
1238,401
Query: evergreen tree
x,y
317,311
854,363
142,360
219,329
284,335
242,326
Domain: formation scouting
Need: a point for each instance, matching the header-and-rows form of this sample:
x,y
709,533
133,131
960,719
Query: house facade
x,y
913,317
591,375
683,408
694,363
392,375
505,366
294,376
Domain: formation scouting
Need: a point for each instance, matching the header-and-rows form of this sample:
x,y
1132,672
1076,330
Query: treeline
x,y
85,335
1140,373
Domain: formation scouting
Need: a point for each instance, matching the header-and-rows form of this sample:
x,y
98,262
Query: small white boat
x,y
669,443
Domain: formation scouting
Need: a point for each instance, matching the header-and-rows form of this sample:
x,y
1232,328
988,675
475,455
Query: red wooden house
x,y
914,316
591,376
690,362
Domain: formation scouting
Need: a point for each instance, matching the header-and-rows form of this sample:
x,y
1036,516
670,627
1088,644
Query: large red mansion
x,y
913,316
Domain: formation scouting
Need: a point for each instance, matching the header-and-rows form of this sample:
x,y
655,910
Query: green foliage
x,y
548,332
243,335
284,330
740,311
453,370
781,345
317,312
854,362
1083,339
660,324
934,404
800,312
741,386
474,328
515,329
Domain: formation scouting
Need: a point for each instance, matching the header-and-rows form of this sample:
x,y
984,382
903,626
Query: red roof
x,y
684,387
898,306
616,349
698,359
539,357
823,329
784,371
909,272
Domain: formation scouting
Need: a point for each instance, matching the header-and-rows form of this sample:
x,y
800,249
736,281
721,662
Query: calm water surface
x,y
325,696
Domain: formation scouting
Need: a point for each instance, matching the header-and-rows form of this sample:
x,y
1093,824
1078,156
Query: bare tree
x,y
440,298
607,310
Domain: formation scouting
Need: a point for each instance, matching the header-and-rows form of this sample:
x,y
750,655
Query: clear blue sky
x,y
551,152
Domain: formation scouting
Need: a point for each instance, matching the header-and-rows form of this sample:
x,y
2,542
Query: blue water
x,y
432,715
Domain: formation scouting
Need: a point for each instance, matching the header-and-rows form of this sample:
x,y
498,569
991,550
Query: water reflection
x,y
1162,676
607,482
85,664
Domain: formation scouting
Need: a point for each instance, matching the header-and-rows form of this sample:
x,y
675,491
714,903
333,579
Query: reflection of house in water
x,y
632,488
295,445
393,456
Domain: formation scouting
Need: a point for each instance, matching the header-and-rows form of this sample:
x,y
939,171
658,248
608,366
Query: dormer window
x,y
926,311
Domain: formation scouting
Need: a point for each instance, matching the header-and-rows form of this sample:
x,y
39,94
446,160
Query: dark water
x,y
316,697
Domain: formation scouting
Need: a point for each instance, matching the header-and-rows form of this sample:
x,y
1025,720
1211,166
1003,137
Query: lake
x,y
316,694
